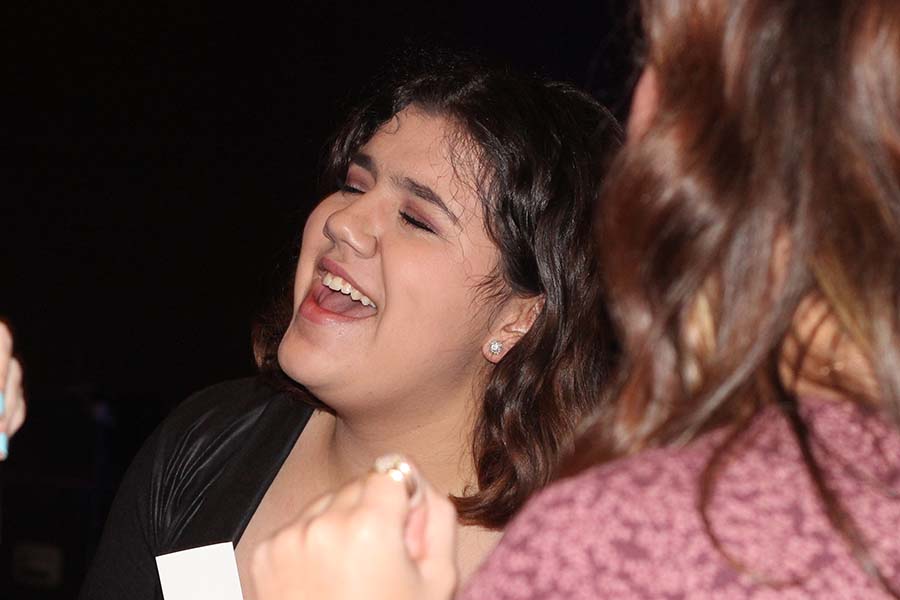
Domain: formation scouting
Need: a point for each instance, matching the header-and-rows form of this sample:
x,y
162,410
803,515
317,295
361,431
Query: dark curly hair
x,y
542,149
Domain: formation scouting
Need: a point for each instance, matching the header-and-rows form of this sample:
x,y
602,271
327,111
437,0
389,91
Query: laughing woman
x,y
445,305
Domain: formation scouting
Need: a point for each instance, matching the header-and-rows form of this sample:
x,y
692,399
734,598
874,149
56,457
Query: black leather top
x,y
196,481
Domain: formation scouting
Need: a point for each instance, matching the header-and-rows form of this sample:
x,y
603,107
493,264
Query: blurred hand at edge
x,y
12,407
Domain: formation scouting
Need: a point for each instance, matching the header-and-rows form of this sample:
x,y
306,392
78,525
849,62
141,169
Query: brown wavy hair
x,y
542,150
777,126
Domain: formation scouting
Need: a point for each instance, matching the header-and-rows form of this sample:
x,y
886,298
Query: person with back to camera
x,y
750,240
445,304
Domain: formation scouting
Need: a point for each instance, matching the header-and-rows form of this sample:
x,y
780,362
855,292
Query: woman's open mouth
x,y
340,297
336,297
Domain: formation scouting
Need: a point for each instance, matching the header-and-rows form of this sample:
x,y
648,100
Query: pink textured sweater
x,y
632,529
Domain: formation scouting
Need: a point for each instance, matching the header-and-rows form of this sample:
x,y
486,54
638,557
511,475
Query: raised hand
x,y
375,538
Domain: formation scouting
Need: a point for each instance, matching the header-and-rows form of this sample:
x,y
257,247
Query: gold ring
x,y
398,468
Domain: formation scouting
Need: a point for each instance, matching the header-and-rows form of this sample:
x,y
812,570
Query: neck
x,y
820,360
438,443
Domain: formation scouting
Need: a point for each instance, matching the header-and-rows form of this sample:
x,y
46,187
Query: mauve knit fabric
x,y
632,528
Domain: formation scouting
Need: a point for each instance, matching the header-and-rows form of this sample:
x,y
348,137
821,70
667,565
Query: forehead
x,y
414,130
431,150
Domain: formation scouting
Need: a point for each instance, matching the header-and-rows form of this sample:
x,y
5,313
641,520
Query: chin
x,y
307,364
294,357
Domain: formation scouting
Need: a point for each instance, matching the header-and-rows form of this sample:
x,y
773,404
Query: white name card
x,y
204,573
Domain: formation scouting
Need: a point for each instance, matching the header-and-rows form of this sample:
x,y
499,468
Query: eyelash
x,y
347,188
414,222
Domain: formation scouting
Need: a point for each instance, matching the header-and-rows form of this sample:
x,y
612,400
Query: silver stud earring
x,y
495,347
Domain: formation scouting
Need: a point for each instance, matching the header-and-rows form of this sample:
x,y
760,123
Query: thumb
x,y
431,541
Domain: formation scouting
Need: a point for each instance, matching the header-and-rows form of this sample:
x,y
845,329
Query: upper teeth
x,y
339,285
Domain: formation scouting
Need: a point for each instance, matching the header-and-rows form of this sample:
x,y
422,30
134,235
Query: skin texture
x,y
13,414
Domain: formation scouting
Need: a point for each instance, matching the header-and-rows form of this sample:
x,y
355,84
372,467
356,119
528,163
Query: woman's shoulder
x,y
595,534
639,527
192,481
226,419
216,450
225,403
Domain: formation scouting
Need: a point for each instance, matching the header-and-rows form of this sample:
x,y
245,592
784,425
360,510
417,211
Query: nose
x,y
353,226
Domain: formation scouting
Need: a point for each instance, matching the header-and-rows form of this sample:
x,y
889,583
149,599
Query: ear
x,y
644,103
514,320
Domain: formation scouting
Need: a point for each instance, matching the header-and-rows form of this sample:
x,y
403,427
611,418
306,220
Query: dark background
x,y
160,159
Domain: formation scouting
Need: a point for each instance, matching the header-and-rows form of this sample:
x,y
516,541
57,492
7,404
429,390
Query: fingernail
x,y
2,404
4,445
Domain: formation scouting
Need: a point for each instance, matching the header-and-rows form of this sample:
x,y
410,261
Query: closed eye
x,y
347,188
414,222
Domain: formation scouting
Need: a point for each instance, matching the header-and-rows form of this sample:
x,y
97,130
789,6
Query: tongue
x,y
342,304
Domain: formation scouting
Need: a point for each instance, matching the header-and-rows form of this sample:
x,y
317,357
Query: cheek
x,y
441,294
311,243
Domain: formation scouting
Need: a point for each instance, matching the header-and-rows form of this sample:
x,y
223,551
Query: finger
x,y
18,417
272,569
317,506
393,500
414,533
386,495
347,496
12,392
14,409
322,524
6,346
437,551
438,522
428,526
402,470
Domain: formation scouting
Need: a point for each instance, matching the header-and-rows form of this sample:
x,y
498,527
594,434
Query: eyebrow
x,y
366,162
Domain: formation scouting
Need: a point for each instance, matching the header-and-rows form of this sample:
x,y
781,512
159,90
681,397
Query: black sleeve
x,y
124,565
196,481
